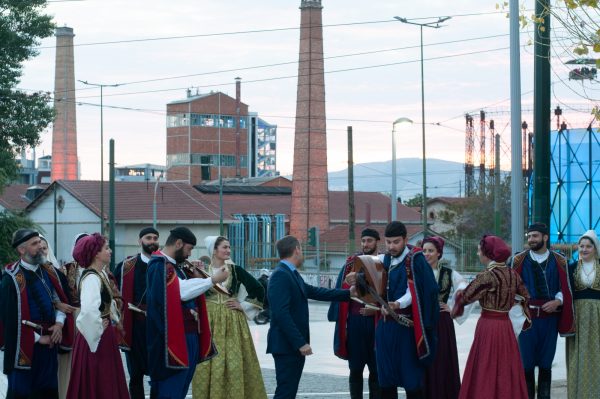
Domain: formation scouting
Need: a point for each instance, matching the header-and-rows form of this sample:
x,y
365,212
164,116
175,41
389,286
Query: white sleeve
x,y
193,287
559,296
459,283
89,321
405,300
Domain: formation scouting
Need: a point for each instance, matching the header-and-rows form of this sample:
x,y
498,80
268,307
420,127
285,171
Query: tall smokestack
x,y
64,132
238,138
310,195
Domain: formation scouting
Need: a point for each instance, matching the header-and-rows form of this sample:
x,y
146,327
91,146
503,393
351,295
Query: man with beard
x,y
131,279
177,328
354,336
544,273
404,352
32,326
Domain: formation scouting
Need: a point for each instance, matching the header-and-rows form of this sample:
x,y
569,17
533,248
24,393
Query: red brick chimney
x,y
64,131
310,195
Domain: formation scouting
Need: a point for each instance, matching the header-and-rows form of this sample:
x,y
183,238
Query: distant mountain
x,y
444,178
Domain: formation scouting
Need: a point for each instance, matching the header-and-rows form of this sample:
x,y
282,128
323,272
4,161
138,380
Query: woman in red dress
x,y
494,368
96,369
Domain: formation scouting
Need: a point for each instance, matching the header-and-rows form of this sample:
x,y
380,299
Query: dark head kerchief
x,y
184,234
22,235
395,229
148,230
370,233
437,242
494,248
539,227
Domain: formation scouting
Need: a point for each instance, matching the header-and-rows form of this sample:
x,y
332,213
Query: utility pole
x,y
541,113
516,181
101,86
497,186
351,209
111,190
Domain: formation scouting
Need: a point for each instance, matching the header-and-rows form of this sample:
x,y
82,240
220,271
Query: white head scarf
x,y
210,245
591,235
51,257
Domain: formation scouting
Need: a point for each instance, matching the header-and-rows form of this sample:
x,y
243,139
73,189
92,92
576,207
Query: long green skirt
x,y
583,352
235,371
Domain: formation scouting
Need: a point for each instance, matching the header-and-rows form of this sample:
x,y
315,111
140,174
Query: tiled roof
x,y
13,196
379,203
448,200
134,200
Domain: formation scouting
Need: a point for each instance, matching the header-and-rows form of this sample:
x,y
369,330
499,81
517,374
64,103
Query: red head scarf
x,y
494,248
437,242
87,248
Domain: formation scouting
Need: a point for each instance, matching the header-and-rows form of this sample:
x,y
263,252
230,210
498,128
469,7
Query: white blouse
x,y
588,273
89,320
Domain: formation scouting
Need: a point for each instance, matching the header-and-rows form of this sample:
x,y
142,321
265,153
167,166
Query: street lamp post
x,y
154,212
101,86
435,25
394,198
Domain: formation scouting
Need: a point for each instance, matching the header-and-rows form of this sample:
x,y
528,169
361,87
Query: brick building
x,y
204,130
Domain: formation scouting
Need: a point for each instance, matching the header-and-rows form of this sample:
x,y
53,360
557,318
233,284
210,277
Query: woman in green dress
x,y
235,371
583,349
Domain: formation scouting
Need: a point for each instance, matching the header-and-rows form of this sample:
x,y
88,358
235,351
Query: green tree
x,y
474,216
23,116
9,223
415,202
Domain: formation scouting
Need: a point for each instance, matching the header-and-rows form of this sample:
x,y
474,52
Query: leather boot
x,y
374,390
389,393
544,383
417,394
530,381
356,385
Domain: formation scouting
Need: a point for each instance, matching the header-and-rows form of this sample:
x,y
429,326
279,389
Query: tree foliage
x,y
9,223
474,216
23,116
415,202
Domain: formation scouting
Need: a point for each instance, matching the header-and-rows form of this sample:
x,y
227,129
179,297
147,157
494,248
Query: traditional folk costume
x,y
235,373
403,353
28,294
177,341
442,378
131,278
546,278
494,368
354,337
583,349
97,369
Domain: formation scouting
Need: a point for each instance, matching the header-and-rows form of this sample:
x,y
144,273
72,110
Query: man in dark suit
x,y
289,337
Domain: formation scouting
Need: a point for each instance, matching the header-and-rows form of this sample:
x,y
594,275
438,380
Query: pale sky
x,y
360,94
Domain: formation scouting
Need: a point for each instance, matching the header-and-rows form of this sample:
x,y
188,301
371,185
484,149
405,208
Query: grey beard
x,y
38,259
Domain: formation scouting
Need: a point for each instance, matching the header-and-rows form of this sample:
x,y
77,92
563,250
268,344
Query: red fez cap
x,y
494,248
87,248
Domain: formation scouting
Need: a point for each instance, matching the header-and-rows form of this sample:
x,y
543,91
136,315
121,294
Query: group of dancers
x,y
185,323
526,302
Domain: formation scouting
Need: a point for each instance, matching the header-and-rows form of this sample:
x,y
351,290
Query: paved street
x,y
325,376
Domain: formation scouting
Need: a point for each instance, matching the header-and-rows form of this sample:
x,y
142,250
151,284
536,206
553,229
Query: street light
x,y
154,216
394,204
435,25
101,86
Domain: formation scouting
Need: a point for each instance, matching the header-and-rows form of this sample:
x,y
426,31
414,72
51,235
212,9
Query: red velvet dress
x,y
98,374
494,368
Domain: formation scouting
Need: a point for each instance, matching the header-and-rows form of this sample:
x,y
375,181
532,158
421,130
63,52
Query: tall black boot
x,y
544,383
530,381
389,392
356,384
417,394
374,390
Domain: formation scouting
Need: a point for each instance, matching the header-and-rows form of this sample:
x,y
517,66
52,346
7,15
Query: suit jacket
x,y
288,302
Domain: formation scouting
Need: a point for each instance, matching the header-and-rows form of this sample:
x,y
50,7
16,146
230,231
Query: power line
x,y
252,31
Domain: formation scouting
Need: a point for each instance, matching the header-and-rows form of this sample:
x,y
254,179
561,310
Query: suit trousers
x,y
288,370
